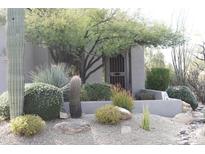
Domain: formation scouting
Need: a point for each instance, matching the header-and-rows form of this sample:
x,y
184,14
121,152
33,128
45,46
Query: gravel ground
x,y
163,131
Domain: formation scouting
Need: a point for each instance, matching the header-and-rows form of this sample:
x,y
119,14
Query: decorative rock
x,y
183,132
72,127
185,118
199,120
64,115
125,129
186,107
125,114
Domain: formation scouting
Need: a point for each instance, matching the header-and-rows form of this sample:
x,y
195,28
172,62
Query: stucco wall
x,y
98,76
167,108
137,69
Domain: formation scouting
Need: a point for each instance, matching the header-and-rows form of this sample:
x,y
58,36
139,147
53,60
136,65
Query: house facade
x,y
125,69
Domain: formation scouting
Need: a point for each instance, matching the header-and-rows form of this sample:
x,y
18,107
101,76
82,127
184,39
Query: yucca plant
x,y
57,75
145,119
15,50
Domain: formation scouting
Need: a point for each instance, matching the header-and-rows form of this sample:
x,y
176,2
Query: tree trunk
x,y
15,50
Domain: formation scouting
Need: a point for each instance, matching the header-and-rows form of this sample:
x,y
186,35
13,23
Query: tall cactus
x,y
75,105
15,50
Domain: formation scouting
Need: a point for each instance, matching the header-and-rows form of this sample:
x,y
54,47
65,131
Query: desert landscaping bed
x,y
163,131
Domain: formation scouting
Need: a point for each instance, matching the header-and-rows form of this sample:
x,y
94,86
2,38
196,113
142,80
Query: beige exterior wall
x,y
98,76
137,69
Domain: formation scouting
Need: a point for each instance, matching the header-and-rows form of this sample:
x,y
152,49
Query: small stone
x,y
125,129
186,143
125,114
72,127
185,138
64,115
199,120
182,132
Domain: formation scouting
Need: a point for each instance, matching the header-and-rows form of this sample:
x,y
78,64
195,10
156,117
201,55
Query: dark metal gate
x,y
118,70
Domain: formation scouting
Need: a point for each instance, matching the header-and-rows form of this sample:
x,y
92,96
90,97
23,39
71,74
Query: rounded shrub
x,y
4,105
95,92
122,98
184,93
27,125
108,114
44,100
40,99
158,79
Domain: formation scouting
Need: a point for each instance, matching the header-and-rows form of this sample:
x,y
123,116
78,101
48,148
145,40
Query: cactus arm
x,y
15,50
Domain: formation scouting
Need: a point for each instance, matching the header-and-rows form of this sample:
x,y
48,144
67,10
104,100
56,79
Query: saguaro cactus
x,y
75,105
15,50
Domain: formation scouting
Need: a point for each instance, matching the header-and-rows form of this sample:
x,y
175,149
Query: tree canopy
x,y
81,37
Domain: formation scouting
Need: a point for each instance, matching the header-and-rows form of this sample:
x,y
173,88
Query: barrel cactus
x,y
15,50
75,105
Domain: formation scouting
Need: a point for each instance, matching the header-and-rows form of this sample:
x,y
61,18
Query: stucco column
x,y
137,69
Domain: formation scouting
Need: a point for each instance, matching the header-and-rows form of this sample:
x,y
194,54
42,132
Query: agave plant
x,y
56,75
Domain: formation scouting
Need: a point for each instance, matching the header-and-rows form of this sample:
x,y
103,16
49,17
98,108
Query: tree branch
x,y
94,70
92,61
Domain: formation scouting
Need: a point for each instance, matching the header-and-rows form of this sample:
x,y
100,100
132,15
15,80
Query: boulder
x,y
72,126
64,115
125,114
186,107
185,118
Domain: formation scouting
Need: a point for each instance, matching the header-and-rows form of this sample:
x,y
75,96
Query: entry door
x,y
118,70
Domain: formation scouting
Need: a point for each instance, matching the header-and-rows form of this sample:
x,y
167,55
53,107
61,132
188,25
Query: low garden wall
x,y
167,108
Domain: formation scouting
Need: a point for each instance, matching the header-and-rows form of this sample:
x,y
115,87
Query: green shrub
x,y
27,125
184,93
4,105
144,95
44,100
108,114
122,98
56,75
158,79
95,92
40,99
145,119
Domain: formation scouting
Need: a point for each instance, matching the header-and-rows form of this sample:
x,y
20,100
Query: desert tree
x,y
81,37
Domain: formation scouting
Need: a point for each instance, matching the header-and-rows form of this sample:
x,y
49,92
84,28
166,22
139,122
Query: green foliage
x,y
96,92
158,79
154,59
122,98
184,93
2,16
27,125
72,33
146,119
43,100
108,114
144,95
56,75
4,105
